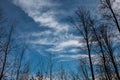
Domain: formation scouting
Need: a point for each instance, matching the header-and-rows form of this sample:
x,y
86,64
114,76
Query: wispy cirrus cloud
x,y
95,58
43,12
52,14
116,6
61,47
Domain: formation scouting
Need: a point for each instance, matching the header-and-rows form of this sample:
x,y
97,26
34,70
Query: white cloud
x,y
35,9
47,19
33,4
74,50
77,56
59,43
65,58
41,42
96,59
59,36
69,43
116,6
48,32
42,11
61,46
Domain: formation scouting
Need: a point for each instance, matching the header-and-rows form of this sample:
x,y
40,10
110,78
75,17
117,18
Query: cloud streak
x,y
42,11
49,13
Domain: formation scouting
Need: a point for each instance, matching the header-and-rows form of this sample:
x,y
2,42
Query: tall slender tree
x,y
84,27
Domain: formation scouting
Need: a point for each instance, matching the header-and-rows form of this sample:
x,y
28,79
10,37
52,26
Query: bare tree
x,y
84,27
108,45
97,38
19,63
103,38
6,51
51,66
62,75
109,12
39,76
25,70
83,68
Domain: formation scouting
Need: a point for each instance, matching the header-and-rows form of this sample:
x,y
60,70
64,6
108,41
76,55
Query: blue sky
x,y
45,27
